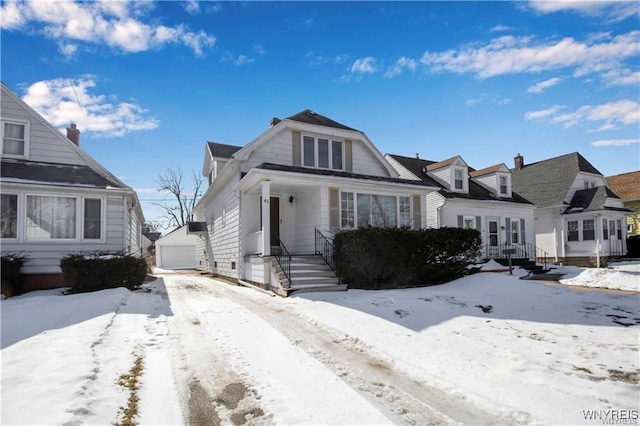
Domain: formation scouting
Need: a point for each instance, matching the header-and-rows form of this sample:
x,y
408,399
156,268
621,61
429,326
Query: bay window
x,y
360,209
588,230
322,153
582,230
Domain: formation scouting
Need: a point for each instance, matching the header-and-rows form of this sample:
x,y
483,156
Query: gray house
x,y
579,220
56,199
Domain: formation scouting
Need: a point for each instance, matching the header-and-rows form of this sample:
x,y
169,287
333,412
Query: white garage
x,y
176,250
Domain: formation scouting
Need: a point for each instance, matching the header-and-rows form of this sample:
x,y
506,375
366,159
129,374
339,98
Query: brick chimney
x,y
518,161
274,121
73,134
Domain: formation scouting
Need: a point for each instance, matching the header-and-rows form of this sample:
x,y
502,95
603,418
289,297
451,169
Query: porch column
x,y
266,218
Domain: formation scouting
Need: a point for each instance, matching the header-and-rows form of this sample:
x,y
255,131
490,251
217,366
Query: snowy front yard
x,y
488,348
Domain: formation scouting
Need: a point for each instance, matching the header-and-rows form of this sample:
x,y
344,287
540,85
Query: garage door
x,y
178,257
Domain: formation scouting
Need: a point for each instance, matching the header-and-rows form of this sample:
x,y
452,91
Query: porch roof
x,y
592,199
345,175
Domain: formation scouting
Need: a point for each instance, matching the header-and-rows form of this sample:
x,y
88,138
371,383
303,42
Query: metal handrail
x,y
282,256
324,248
528,251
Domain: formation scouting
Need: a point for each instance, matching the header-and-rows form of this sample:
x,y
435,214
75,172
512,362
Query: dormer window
x,y
503,185
589,184
14,139
322,153
458,179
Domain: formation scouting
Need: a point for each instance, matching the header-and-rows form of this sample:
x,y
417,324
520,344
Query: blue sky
x,y
484,80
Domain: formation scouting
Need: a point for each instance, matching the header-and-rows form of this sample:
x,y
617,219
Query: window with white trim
x,y
469,222
515,231
458,179
605,229
572,230
582,230
503,185
9,216
51,217
92,229
361,209
588,230
322,153
15,139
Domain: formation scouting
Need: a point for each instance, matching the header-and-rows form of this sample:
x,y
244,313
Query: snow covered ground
x,y
617,275
488,348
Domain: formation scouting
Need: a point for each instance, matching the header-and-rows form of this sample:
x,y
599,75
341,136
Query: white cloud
x,y
315,58
400,65
512,55
536,115
612,11
612,114
622,77
259,49
242,59
68,49
192,7
542,85
117,24
615,142
505,101
308,22
57,101
364,65
471,102
499,28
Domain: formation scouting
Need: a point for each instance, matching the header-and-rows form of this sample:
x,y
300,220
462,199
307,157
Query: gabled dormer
x,y
215,157
497,178
454,172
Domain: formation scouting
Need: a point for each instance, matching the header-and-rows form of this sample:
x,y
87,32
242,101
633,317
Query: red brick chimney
x,y
73,134
518,161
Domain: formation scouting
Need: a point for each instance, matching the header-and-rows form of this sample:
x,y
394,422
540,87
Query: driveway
x,y
241,356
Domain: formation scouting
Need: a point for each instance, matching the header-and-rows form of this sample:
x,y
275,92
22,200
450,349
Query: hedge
x,y
382,258
11,264
98,272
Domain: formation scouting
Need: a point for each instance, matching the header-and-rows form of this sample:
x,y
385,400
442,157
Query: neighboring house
x,y
627,187
288,190
579,219
480,199
56,199
177,250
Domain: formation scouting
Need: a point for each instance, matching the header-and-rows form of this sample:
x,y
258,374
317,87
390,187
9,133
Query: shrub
x,y
11,264
377,258
98,272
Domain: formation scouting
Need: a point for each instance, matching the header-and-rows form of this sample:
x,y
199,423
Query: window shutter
x,y
295,148
334,208
417,212
507,223
460,221
522,232
348,153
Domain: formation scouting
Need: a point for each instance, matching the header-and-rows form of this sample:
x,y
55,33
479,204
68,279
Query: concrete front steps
x,y
309,273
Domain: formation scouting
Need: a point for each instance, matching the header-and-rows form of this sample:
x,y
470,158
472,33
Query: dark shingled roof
x,y
308,116
476,191
221,150
53,173
321,172
591,199
546,183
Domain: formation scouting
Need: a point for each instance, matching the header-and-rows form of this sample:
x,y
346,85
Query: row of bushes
x,y
381,258
82,272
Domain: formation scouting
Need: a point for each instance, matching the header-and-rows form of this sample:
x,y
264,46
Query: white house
x,y
274,203
56,199
579,220
177,250
480,199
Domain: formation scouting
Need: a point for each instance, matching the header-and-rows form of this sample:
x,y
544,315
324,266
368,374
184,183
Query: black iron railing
x,y
280,252
325,249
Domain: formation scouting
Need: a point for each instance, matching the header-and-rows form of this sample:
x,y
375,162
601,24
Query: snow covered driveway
x,y
289,370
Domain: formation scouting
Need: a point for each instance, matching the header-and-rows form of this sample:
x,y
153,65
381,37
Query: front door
x,y
275,220
493,237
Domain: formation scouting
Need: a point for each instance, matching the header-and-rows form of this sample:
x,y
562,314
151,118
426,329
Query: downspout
x,y
240,263
124,223
598,232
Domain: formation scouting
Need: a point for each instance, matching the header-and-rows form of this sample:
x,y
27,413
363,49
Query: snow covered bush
x,y
380,258
94,272
12,264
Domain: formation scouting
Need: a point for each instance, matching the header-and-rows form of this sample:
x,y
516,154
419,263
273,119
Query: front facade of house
x,y
579,220
56,199
627,187
479,199
305,173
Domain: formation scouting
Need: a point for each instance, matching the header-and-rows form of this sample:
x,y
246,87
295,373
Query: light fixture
x,y
291,199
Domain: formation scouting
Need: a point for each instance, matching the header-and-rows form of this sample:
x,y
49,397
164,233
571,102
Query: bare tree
x,y
177,210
